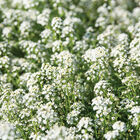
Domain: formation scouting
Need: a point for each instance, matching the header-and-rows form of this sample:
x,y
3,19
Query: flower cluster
x,y
69,69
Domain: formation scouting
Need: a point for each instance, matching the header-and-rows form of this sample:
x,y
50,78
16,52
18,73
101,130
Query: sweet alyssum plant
x,y
69,69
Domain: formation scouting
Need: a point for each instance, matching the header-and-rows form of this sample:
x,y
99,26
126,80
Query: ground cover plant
x,y
69,69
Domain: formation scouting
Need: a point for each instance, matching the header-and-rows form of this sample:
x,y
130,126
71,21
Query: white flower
x,y
57,132
67,30
111,135
56,24
135,110
43,18
6,31
25,28
135,120
120,126
94,54
85,122
136,12
6,131
45,34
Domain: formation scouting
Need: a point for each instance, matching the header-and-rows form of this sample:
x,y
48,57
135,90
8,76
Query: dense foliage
x,y
69,69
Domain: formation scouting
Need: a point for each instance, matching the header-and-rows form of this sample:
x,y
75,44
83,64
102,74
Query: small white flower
x,y
120,126
57,24
43,18
93,54
111,135
135,109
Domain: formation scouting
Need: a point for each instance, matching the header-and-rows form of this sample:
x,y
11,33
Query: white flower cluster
x,y
94,54
101,106
69,69
43,18
117,127
7,131
57,24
